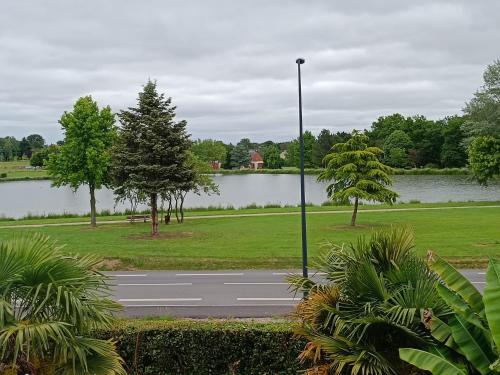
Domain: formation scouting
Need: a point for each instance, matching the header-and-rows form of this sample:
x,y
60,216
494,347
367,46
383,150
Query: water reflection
x,y
37,197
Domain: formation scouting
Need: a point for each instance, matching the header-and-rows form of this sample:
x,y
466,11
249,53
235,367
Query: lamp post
x,y
299,62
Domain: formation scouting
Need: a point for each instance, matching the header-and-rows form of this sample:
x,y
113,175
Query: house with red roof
x,y
256,160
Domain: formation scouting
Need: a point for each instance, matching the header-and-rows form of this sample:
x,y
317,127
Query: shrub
x,y
467,340
3,175
250,206
372,303
50,304
211,347
272,205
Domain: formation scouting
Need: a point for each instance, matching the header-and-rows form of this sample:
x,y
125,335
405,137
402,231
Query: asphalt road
x,y
217,294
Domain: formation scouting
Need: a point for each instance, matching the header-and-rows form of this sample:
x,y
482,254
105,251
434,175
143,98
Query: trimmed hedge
x,y
212,347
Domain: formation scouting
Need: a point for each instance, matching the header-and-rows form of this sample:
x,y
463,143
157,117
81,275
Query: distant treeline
x,y
408,142
12,148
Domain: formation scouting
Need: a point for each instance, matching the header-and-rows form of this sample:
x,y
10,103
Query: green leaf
x,y
458,283
492,300
473,343
437,365
442,332
460,307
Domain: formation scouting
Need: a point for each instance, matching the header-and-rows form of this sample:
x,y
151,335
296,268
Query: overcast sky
x,y
230,65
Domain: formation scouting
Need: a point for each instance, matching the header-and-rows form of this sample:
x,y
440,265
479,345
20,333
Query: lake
x,y
38,197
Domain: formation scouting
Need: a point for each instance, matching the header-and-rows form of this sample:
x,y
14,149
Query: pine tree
x,y
240,155
151,155
357,173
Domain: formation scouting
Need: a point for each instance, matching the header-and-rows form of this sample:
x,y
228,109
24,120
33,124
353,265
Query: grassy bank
x,y
466,236
107,215
16,171
316,171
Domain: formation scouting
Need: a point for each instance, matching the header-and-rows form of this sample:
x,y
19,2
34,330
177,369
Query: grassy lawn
x,y
16,170
242,211
465,236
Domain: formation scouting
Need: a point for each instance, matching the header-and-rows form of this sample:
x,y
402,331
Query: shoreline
x,y
308,171
107,216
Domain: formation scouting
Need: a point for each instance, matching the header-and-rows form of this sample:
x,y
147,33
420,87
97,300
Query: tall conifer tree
x,y
151,155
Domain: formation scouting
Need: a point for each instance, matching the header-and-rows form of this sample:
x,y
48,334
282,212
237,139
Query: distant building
x,y
256,161
216,165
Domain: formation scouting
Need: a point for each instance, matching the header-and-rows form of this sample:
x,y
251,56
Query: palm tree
x,y
50,303
372,303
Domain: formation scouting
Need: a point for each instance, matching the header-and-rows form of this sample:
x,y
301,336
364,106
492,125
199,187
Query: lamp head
x,y
300,61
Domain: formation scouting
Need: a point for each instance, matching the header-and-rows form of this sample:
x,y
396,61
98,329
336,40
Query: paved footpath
x,y
362,211
204,294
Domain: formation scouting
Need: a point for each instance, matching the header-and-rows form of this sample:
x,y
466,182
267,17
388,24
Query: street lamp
x,y
299,62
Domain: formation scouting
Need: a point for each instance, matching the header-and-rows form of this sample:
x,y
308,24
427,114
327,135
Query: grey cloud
x,y
229,65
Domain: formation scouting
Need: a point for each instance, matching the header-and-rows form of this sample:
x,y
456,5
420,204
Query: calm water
x,y
37,197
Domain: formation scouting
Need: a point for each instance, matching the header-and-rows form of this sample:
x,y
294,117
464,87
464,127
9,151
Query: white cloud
x,y
229,65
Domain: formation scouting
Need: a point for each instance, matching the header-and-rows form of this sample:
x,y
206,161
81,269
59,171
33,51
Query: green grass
x,y
465,236
16,171
211,211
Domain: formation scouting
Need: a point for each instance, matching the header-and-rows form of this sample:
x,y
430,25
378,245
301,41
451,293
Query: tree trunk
x,y
133,209
93,221
355,212
176,197
169,210
154,215
162,209
183,196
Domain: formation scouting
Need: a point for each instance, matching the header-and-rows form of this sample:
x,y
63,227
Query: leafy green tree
x,y
426,136
369,305
240,155
226,164
200,182
271,156
396,157
9,148
357,173
51,305
483,112
209,150
385,126
35,141
40,157
84,158
322,146
293,151
453,153
484,158
396,148
466,340
152,151
25,148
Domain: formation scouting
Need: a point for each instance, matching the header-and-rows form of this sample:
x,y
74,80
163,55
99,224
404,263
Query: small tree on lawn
x,y
84,157
152,149
357,173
